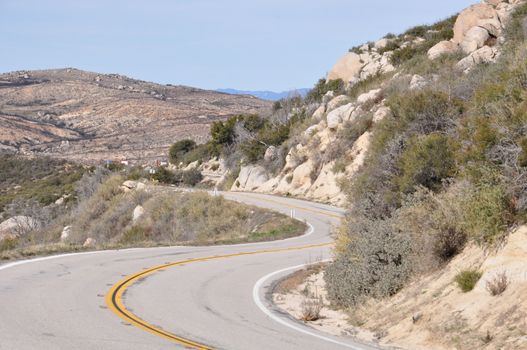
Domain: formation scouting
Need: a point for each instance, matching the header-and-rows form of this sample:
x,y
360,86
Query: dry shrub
x,y
498,284
310,309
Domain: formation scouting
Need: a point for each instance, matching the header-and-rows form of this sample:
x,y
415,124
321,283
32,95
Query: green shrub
x,y
191,177
165,176
322,87
426,162
467,279
487,212
179,149
417,31
222,133
201,153
376,263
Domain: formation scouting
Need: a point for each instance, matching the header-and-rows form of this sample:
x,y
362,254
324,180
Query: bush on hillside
x,y
376,263
179,149
467,279
322,87
426,162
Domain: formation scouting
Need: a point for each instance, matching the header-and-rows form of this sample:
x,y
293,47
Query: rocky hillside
x,y
89,117
333,145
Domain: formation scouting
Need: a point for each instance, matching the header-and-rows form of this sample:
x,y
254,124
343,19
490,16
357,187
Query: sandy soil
x,y
432,312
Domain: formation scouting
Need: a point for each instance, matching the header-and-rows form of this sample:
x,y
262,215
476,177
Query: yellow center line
x,y
114,298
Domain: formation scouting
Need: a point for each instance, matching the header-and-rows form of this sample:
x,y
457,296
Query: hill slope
x,y
89,117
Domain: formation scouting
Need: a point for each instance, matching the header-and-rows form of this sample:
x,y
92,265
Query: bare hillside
x,y
90,117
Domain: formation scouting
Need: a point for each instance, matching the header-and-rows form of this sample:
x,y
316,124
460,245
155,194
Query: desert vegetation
x,y
444,170
102,212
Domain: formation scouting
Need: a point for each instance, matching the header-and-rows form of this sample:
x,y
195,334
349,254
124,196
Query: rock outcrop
x,y
478,31
353,67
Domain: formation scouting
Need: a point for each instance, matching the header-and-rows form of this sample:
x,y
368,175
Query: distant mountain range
x,y
266,95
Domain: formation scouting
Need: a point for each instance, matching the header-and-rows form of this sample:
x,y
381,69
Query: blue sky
x,y
252,44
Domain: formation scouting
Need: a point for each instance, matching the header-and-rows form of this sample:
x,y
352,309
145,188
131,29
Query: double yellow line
x,y
114,298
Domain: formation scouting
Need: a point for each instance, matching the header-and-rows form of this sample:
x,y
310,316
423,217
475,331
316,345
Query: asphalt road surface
x,y
167,298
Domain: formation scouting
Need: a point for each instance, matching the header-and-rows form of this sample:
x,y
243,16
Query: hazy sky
x,y
244,44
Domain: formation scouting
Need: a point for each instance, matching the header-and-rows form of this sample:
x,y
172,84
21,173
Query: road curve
x,y
169,297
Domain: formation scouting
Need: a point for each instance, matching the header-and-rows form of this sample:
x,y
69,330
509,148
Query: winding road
x,y
165,298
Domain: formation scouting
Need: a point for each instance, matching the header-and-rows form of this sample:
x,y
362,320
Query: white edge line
x,y
258,301
308,232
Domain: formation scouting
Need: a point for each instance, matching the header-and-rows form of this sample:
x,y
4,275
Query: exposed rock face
x,y
354,67
337,116
270,153
347,68
469,18
89,117
477,30
250,178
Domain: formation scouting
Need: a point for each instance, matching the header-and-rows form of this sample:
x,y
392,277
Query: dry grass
x,y
311,309
292,281
498,284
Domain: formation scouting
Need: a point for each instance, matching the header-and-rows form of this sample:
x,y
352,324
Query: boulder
x,y
381,113
17,225
371,68
271,153
132,185
319,112
470,17
484,55
418,82
89,242
337,116
66,233
337,102
139,211
442,48
491,25
475,38
369,96
381,44
347,68
311,130
250,178
328,97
